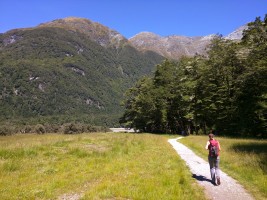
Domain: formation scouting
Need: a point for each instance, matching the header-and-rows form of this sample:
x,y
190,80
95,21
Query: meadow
x,y
243,159
93,166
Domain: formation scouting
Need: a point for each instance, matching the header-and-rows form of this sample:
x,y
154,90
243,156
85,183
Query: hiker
x,y
214,158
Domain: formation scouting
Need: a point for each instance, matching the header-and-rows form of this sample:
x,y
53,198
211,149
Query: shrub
x,y
70,129
52,128
40,129
90,129
27,129
5,130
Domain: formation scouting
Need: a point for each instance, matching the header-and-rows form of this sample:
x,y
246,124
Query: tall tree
x,y
253,85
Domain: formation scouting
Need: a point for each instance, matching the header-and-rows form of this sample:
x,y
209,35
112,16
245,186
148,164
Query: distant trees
x,y
64,128
226,91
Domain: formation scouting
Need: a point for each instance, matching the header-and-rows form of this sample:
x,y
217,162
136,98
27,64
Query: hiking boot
x,y
218,181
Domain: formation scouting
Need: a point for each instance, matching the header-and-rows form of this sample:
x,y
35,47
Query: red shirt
x,y
214,143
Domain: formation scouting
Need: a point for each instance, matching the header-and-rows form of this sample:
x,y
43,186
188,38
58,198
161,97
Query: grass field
x,y
243,159
93,166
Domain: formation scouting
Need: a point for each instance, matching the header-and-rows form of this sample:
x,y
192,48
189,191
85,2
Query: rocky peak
x,y
173,47
146,35
95,31
237,34
145,41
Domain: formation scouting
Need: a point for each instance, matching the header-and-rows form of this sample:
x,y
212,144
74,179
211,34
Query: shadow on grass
x,y
259,149
202,178
251,148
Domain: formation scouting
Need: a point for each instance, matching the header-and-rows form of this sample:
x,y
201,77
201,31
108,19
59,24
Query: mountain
x,y
69,69
174,47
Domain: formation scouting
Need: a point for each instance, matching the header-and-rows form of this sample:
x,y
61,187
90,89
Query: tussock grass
x,y
93,166
243,159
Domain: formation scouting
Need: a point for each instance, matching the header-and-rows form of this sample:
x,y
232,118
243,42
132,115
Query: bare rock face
x,y
173,47
237,34
10,40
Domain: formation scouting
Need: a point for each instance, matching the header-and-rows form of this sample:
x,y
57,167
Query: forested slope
x,y
55,74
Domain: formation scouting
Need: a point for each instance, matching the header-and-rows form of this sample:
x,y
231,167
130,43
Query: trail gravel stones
x,y
229,188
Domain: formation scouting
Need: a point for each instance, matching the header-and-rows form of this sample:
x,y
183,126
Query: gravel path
x,y
229,188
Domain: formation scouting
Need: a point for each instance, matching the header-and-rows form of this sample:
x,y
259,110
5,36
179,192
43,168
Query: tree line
x,y
226,90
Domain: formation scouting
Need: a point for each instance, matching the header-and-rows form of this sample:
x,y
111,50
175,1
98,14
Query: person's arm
x,y
207,145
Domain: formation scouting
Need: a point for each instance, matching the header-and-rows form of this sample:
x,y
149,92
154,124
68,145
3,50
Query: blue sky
x,y
129,17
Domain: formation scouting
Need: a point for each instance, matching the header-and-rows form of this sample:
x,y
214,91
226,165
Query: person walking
x,y
214,148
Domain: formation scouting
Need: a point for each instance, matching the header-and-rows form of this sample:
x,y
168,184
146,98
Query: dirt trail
x,y
229,188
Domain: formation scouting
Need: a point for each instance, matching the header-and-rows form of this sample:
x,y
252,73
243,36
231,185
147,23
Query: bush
x,y
40,129
5,130
91,129
27,129
52,128
71,129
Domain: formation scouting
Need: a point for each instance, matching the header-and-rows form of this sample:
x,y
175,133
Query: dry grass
x,y
93,166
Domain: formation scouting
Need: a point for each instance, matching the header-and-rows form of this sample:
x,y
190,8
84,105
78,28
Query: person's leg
x,y
212,168
217,170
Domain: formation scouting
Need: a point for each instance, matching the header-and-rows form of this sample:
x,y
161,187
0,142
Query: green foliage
x,y
225,91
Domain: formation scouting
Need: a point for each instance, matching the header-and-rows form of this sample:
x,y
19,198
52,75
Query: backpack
x,y
214,148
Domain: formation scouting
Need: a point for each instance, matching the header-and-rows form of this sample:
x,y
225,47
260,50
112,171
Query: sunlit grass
x,y
243,159
93,166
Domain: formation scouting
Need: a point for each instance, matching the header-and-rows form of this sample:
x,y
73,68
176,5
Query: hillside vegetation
x,y
59,74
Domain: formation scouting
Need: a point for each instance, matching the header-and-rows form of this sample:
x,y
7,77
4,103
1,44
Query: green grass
x,y
243,159
93,166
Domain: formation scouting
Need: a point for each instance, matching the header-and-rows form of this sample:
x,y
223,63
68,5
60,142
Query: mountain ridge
x,y
171,47
94,30
176,46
